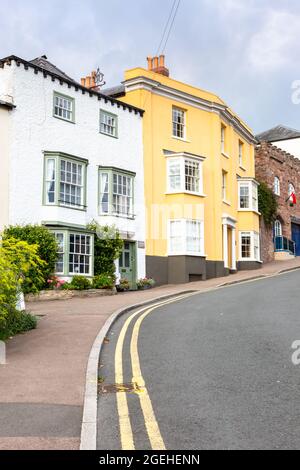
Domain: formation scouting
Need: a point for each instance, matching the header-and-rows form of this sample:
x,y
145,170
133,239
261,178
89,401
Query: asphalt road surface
x,y
211,371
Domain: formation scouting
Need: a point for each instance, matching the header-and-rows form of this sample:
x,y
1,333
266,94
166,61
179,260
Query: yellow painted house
x,y
201,193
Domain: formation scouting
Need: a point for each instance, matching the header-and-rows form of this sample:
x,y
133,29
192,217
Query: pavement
x,y
213,371
42,385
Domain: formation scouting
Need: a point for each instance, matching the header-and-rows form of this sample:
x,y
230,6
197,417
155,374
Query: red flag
x,y
293,199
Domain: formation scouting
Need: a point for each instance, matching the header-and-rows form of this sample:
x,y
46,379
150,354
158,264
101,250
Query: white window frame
x,y
224,185
276,186
241,153
90,254
253,195
183,233
254,245
292,189
278,228
174,134
63,252
182,160
223,139
64,109
105,126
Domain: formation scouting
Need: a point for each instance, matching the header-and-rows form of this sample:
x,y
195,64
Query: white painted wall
x,y
34,130
291,146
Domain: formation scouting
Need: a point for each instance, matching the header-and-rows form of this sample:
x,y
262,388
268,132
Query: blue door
x,y
296,237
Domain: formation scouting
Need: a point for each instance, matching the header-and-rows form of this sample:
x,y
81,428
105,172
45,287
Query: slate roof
x,y
115,91
278,133
44,63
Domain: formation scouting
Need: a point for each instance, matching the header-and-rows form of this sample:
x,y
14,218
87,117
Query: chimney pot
x,y
155,62
161,60
149,59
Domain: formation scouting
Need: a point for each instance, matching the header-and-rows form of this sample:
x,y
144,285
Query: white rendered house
x,y
70,155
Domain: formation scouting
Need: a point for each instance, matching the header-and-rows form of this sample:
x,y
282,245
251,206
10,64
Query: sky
x,y
245,51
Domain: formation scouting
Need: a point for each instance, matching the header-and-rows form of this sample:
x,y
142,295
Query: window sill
x,y
119,216
195,255
190,193
63,119
181,139
249,210
251,260
109,135
225,155
67,207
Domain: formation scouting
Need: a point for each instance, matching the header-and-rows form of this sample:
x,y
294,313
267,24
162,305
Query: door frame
x,y
133,255
229,224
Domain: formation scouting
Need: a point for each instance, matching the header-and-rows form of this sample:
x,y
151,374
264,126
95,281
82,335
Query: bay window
x,y
249,246
186,237
116,192
248,195
79,254
65,180
184,175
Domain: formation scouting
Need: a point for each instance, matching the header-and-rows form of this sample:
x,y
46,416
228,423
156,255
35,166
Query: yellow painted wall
x,y
203,138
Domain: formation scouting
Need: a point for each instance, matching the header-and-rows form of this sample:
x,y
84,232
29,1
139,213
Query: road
x,y
213,371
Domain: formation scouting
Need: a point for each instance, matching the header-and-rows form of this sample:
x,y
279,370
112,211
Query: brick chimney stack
x,y
157,65
90,81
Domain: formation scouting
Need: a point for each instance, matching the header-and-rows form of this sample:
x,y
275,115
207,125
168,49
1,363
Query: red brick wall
x,y
271,161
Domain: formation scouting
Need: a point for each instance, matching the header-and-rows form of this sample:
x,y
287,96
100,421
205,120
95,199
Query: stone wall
x,y
271,161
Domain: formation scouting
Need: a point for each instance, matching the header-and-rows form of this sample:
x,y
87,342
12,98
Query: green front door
x,y
127,263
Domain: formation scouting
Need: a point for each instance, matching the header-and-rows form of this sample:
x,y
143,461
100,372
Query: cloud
x,y
245,51
276,44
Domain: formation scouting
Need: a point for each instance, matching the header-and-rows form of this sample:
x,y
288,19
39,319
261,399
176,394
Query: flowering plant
x,y
146,283
55,283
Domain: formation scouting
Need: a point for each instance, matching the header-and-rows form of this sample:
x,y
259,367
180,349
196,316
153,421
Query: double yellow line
x,y
152,427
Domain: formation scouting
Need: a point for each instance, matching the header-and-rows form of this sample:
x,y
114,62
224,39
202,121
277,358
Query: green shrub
x,y
108,246
17,259
267,204
47,251
123,285
80,283
66,286
104,281
16,323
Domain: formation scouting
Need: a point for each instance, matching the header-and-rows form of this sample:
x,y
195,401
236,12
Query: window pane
x,y
178,123
71,189
108,124
63,107
60,238
244,196
192,176
193,236
122,194
79,254
50,181
246,245
176,237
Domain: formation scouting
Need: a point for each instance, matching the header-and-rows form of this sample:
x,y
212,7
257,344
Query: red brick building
x,y
281,172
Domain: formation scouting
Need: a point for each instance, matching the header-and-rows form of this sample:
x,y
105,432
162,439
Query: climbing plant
x,y
267,204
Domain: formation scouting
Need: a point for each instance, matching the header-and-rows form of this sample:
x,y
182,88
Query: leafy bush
x,y
47,251
17,258
267,204
80,283
108,247
145,283
123,285
104,281
16,323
